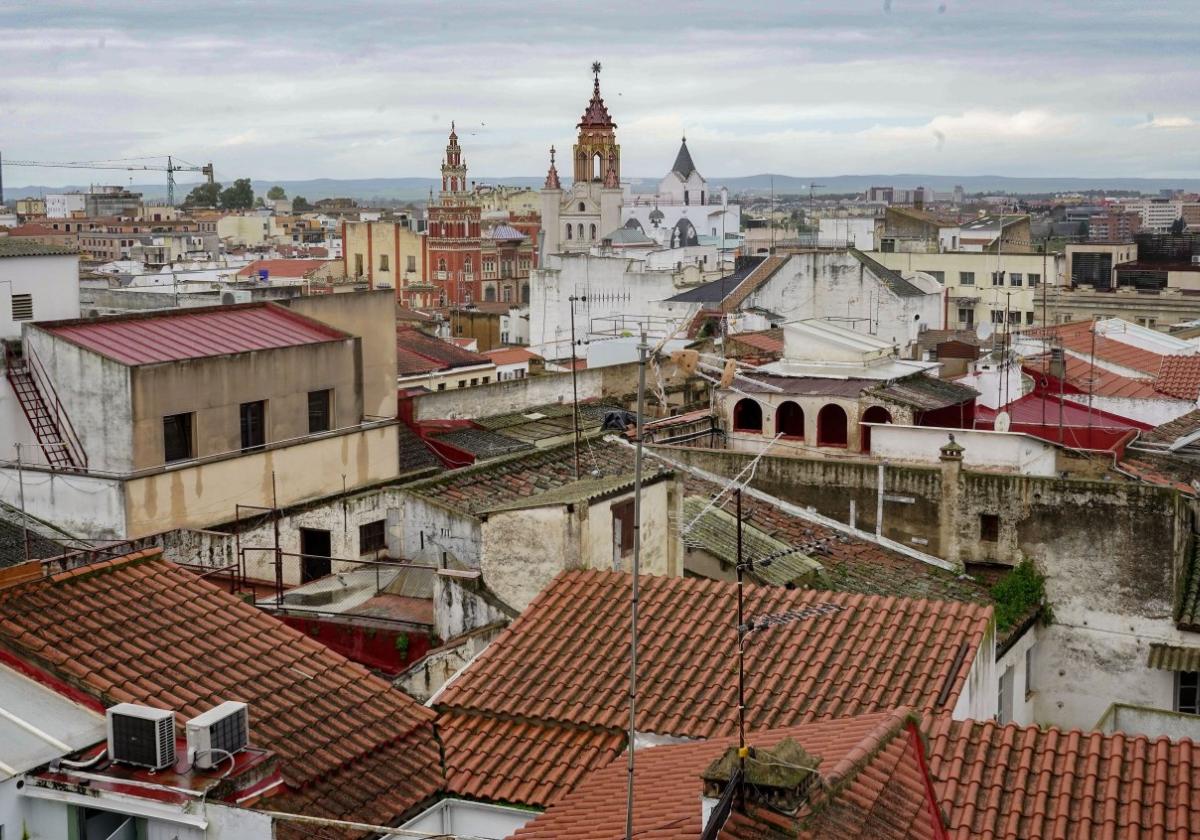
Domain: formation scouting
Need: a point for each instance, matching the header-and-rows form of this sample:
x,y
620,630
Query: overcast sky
x,y
352,89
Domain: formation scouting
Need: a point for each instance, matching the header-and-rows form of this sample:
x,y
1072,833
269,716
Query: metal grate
x,y
150,743
228,735
22,307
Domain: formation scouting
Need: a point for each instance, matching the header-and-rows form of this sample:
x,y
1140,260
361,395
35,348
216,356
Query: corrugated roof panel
x,y
182,334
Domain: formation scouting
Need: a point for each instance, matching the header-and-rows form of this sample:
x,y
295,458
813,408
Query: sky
x,y
354,89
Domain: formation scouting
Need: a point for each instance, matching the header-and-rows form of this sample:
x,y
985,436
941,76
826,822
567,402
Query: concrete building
x,y
65,205
244,229
1114,226
255,404
112,201
388,255
38,282
429,363
986,287
684,209
1157,214
577,219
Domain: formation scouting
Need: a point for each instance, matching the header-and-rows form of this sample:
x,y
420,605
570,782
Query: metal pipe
x,y
24,516
643,347
741,684
879,502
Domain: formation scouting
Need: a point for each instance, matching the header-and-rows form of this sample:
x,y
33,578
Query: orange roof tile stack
x,y
1001,782
141,630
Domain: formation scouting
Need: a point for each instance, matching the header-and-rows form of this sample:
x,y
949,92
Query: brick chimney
x,y
778,778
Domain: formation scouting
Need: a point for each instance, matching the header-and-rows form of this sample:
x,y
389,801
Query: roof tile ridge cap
x,y
868,747
107,563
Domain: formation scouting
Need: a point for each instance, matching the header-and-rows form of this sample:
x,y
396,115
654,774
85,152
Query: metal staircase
x,y
58,442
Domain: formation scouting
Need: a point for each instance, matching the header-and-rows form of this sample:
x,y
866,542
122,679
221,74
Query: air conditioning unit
x,y
1195,259
217,734
141,735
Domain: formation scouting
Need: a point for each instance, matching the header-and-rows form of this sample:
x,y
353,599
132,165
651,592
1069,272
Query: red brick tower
x,y
454,239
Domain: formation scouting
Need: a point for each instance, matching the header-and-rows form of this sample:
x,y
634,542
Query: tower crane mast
x,y
130,166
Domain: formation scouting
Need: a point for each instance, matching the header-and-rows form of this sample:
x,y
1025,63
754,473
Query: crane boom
x,y
171,168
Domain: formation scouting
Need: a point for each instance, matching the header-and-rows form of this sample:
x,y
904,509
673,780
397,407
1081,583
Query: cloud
x,y
1166,122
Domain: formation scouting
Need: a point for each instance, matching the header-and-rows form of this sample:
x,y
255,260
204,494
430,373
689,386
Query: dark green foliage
x,y
240,196
1017,593
205,195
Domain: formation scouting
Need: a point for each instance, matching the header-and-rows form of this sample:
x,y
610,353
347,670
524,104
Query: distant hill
x,y
417,189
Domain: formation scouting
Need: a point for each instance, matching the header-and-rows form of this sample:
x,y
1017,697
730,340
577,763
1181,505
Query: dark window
x,y
412,264
1187,692
177,437
254,425
747,416
989,527
383,262
789,420
622,514
320,409
966,278
371,537
358,265
315,553
1014,279
997,278
1034,279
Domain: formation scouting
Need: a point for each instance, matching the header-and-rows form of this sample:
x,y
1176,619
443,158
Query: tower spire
x,y
552,182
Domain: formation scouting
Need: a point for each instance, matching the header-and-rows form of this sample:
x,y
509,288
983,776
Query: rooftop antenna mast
x,y
643,348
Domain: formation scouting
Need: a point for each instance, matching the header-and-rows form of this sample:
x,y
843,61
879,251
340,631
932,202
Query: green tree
x,y
240,196
275,193
205,195
1179,225
300,203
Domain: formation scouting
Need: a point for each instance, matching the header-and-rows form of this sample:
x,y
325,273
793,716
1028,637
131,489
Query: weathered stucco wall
x,y
82,505
429,530
203,495
214,388
96,394
523,550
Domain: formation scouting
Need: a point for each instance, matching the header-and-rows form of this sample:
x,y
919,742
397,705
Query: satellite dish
x,y
984,330
1003,422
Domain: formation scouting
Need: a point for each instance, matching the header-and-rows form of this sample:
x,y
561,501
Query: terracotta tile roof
x,y
1008,782
23,247
174,335
511,355
1076,337
869,783
419,352
1179,377
1082,376
1172,431
753,281
141,630
1148,472
276,269
562,659
768,341
1187,599
523,762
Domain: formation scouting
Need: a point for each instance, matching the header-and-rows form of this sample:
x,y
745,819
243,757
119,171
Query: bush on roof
x,y
1017,593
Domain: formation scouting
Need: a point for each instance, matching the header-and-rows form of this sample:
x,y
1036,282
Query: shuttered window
x,y
22,307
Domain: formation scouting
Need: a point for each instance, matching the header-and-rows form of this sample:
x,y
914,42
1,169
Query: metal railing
x,y
49,397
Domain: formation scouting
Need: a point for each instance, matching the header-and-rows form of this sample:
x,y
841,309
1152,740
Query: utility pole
x,y
574,382
643,348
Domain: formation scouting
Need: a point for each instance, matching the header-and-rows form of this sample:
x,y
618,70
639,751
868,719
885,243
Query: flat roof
x,y
50,721
175,335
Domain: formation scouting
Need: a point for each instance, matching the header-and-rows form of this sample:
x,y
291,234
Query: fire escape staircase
x,y
59,444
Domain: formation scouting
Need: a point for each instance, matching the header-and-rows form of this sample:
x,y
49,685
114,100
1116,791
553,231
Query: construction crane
x,y
129,165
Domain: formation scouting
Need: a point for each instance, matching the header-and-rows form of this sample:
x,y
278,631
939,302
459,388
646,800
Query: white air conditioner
x,y
217,734
141,735
1195,259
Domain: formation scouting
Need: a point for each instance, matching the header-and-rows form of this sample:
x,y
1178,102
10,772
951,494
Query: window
x,y
966,278
966,317
1187,692
1029,672
989,527
486,379
177,438
474,380
358,265
582,207
372,537
1029,319
747,416
506,294
622,528
441,264
462,383
789,420
1014,317
997,316
1014,279
441,386
22,307
411,265
997,278
831,426
320,409
1033,280
592,231
254,425
939,276
569,230
1005,699
579,230
383,262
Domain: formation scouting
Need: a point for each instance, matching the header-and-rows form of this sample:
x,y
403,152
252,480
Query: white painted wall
x,y
1013,451
1023,688
977,701
53,281
470,819
858,231
83,505
428,529
1154,412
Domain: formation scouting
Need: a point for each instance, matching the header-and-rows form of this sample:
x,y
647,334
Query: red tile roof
x,y
285,269
562,660
36,230
870,783
1076,337
524,762
141,630
419,352
1009,782
1082,376
1179,377
511,355
769,341
180,334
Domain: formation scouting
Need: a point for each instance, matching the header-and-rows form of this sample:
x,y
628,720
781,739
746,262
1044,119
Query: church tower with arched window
x,y
576,219
453,239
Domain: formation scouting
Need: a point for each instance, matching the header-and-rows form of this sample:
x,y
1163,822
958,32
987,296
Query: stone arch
x,y
683,234
874,414
831,426
747,416
789,420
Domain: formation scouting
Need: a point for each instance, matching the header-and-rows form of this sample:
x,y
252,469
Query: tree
x,y
205,195
1179,225
275,193
240,196
300,203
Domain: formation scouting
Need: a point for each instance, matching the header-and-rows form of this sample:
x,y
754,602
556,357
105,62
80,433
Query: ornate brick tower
x,y
454,252
577,219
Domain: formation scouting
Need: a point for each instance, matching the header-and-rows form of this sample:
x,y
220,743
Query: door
x,y
316,550
1006,697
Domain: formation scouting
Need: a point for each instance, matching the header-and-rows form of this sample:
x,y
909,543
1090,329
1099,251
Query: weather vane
x,y
596,69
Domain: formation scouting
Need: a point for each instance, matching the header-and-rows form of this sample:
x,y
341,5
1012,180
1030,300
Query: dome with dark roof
x,y
683,166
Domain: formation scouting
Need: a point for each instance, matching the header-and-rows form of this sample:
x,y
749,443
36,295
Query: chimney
x,y
951,457
778,778
1058,365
